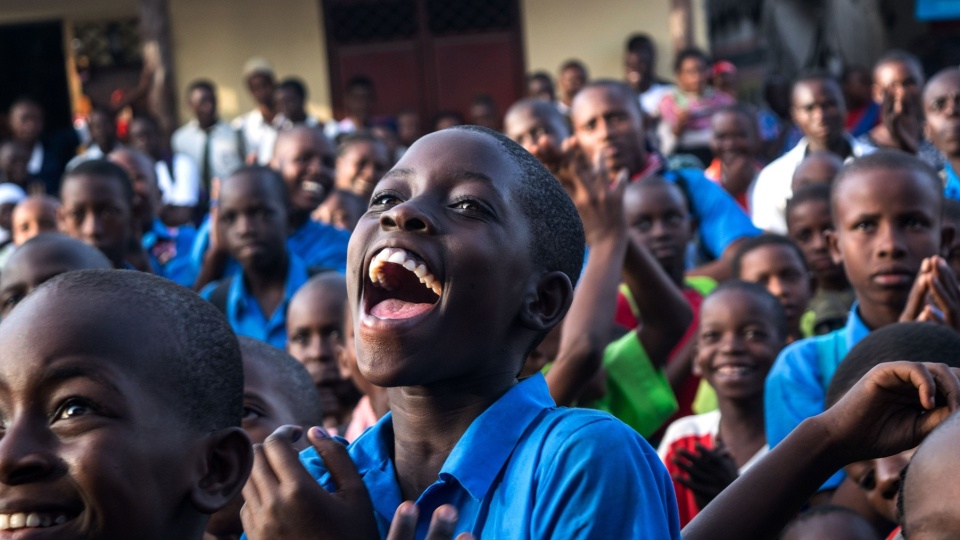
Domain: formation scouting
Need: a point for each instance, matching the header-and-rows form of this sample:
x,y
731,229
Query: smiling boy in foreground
x,y
464,261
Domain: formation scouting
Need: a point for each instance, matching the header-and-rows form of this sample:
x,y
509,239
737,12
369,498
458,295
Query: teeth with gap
x,y
409,262
32,520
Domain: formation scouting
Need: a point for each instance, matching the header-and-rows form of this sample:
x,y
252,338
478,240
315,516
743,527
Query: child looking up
x,y
252,216
315,337
139,369
39,259
742,328
778,265
277,390
808,224
361,161
886,211
463,263
97,198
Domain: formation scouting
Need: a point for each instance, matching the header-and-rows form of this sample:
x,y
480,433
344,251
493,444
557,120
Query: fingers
x,y
260,474
283,459
443,523
917,297
947,391
342,470
404,525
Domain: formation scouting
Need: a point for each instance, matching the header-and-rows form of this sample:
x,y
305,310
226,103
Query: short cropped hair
x,y
639,42
807,193
558,237
359,81
901,57
541,76
614,86
203,357
774,309
545,110
105,169
910,341
202,84
659,181
689,52
889,160
573,63
356,137
298,391
273,178
294,85
756,242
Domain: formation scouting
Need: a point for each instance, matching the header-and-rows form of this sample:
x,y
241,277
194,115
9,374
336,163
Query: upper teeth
x,y
408,261
22,520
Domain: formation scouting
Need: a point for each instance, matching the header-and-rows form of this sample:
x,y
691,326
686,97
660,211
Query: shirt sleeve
x,y
793,393
721,220
186,182
584,488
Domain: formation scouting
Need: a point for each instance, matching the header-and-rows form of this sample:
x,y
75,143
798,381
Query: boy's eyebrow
x,y
56,375
460,174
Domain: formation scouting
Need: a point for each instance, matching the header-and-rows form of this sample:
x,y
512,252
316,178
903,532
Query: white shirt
x,y
92,152
190,139
254,128
650,100
36,159
280,123
183,187
768,202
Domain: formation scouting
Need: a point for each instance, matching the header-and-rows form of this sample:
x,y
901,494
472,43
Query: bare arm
x,y
665,312
904,401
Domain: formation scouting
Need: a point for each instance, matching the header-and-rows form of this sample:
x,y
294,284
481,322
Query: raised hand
x,y
282,500
707,472
599,204
893,407
442,524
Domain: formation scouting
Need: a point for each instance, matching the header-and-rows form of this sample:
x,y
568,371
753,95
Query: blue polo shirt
x,y
720,219
244,313
796,385
169,252
317,244
951,188
528,469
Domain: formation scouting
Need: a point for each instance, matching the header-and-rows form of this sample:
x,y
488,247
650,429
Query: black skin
x,y
97,211
100,385
448,201
252,222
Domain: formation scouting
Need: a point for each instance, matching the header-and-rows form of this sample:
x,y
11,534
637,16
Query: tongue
x,y
398,309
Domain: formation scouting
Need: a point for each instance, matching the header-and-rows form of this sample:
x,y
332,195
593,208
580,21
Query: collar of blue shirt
x,y
239,298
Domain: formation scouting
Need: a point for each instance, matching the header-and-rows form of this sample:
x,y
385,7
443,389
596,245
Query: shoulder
x,y
798,357
587,435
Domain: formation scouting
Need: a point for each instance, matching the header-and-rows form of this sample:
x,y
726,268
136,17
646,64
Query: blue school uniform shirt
x,y
244,313
526,468
795,388
169,251
951,188
720,219
317,244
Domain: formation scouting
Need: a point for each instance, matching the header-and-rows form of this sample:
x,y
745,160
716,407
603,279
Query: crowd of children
x,y
641,308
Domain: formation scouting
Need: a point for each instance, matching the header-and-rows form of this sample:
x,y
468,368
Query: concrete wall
x,y
214,38
44,10
595,33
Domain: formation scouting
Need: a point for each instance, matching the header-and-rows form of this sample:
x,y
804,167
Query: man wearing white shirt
x,y
291,100
177,175
818,109
213,145
258,123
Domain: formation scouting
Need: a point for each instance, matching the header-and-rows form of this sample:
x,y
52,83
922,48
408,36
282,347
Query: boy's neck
x,y
297,218
268,284
428,423
876,316
742,425
833,282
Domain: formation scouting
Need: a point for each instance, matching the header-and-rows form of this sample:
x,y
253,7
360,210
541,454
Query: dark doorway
x,y
32,63
426,55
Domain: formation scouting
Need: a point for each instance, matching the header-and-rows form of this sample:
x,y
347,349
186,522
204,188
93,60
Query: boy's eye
x,y
643,225
384,199
755,334
73,408
467,204
11,301
251,413
299,338
915,224
865,226
709,337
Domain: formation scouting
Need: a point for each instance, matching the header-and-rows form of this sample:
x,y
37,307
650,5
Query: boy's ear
x,y
61,218
223,466
948,232
547,307
833,245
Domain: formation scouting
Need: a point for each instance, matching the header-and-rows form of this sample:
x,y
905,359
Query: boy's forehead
x,y
857,187
455,153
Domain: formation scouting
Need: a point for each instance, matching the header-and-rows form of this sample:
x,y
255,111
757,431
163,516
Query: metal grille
x,y
466,16
371,22
107,43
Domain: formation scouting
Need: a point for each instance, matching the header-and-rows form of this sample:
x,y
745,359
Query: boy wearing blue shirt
x,y
464,261
608,124
167,248
252,221
304,159
887,234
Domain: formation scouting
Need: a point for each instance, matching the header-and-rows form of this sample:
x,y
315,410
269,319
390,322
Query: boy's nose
x,y
92,226
890,243
887,472
407,216
24,457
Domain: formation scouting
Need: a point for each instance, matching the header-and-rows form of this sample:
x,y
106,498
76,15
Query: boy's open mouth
x,y
35,520
400,285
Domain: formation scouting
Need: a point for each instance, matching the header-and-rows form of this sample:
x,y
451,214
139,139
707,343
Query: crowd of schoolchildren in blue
x,y
615,309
